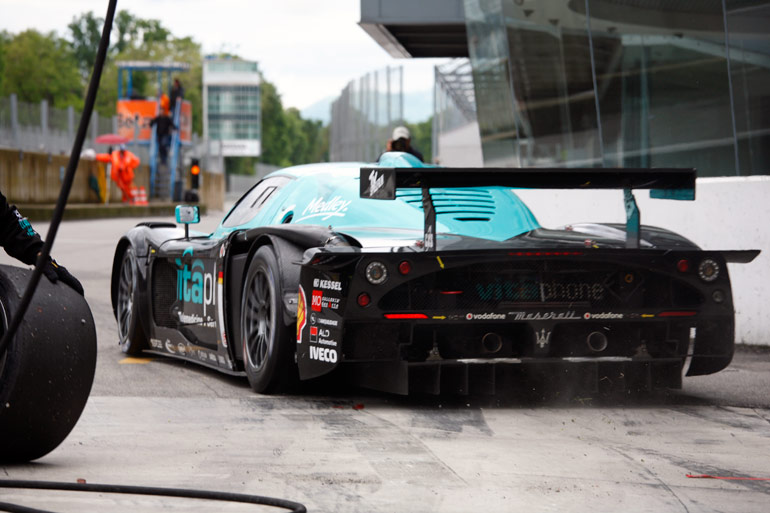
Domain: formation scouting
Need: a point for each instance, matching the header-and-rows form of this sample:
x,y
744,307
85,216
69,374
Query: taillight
x,y
708,270
404,267
363,299
376,273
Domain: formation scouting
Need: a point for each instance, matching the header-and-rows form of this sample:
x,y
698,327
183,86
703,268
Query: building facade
x,y
232,114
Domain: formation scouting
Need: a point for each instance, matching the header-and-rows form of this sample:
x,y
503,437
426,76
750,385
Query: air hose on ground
x,y
15,322
144,490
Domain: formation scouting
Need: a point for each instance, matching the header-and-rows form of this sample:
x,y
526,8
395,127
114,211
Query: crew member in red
x,y
123,164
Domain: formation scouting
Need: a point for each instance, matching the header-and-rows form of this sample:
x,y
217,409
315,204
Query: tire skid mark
x,y
651,474
396,455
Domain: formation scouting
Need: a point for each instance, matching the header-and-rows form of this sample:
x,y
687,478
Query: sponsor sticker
x,y
602,316
301,314
313,334
317,300
325,210
323,354
543,316
376,181
327,284
156,344
170,347
485,317
194,284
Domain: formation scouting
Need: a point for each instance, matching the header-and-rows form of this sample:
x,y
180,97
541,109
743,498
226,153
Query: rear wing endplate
x,y
668,183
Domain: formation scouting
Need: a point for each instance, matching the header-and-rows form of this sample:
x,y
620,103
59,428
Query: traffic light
x,y
195,173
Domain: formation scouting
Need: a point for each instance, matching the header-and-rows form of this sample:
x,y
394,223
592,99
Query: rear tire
x,y
132,339
266,341
48,368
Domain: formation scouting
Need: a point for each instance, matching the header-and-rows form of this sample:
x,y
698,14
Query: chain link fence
x,y
364,115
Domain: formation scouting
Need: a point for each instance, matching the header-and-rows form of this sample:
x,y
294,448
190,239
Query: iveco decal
x,y
194,285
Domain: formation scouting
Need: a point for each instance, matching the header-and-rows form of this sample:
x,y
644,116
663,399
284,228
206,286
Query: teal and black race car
x,y
410,278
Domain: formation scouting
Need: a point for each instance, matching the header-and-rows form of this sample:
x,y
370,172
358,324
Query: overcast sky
x,y
309,48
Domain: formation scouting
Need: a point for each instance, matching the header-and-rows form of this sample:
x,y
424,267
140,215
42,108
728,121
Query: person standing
x,y
163,133
123,164
402,141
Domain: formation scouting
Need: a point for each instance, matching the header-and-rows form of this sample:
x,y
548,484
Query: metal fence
x,y
41,128
365,114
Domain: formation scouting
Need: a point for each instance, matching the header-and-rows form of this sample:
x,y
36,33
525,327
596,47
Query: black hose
x,y
69,177
295,507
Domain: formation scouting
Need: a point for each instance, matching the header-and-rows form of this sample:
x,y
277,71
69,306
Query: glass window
x,y
252,202
626,83
749,38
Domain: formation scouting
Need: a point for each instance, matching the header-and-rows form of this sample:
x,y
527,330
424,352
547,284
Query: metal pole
x,y
596,89
43,125
15,121
70,123
730,86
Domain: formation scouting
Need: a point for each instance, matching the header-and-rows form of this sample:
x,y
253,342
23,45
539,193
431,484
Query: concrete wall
x,y
36,178
729,213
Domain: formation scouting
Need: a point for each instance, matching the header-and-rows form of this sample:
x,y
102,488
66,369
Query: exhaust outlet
x,y
492,342
596,341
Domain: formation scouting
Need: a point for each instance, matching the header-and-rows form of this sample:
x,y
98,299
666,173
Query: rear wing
x,y
668,183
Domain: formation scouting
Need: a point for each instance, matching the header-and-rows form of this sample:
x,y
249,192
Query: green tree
x,y
85,34
42,67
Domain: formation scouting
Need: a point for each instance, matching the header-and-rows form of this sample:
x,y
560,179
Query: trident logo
x,y
543,338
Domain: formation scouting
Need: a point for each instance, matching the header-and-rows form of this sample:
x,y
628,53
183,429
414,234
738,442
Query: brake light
x,y
677,314
404,267
683,265
363,299
406,316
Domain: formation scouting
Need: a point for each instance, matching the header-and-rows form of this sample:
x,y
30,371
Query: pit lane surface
x,y
160,422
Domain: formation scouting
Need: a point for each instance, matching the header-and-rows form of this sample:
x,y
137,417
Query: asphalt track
x,y
160,422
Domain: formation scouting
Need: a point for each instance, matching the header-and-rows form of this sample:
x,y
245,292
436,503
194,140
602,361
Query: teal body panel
x,y
329,195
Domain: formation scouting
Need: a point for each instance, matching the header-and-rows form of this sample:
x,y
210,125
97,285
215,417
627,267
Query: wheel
x,y
48,368
266,340
132,338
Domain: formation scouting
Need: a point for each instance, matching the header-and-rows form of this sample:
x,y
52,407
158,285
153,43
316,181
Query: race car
x,y
410,278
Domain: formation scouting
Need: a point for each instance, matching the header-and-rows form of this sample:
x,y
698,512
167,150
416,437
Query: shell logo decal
x,y
301,314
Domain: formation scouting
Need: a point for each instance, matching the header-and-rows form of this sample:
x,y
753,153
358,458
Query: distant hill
x,y
418,107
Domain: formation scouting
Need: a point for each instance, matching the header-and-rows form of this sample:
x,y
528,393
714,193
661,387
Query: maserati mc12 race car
x,y
415,279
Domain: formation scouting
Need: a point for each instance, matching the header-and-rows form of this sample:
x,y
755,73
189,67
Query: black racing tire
x,y
48,368
131,336
268,352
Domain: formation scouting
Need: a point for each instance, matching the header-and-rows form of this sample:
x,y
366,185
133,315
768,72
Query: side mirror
x,y
187,214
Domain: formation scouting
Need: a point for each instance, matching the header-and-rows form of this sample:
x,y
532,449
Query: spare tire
x,y
48,368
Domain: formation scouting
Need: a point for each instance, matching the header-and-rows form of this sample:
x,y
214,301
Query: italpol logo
x,y
193,284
